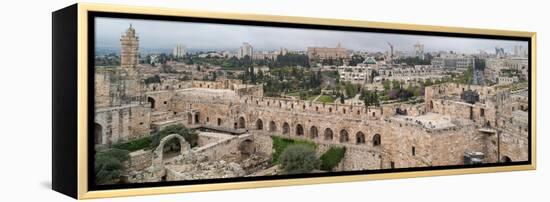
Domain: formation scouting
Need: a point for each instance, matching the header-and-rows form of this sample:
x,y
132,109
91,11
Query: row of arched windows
x,y
328,134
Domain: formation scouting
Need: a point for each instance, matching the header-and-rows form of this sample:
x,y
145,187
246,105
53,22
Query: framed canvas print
x,y
156,100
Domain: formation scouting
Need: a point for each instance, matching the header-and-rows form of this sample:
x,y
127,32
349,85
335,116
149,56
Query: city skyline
x,y
206,36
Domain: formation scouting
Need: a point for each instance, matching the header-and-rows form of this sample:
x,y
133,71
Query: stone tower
x,y
129,48
129,79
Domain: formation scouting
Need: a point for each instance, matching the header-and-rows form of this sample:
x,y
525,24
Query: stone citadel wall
x,y
374,140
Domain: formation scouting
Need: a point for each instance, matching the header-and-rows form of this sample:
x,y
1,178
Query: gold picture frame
x,y
77,185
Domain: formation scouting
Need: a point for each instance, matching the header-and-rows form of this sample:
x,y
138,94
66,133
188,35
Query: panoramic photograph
x,y
182,101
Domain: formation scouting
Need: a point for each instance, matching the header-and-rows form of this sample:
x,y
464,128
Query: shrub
x,y
108,165
189,135
134,145
332,157
152,79
299,158
280,144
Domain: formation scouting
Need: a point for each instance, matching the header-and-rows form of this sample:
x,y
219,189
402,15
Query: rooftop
x,y
428,120
207,94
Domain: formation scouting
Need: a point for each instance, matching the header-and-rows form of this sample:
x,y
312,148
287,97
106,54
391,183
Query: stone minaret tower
x,y
130,82
129,48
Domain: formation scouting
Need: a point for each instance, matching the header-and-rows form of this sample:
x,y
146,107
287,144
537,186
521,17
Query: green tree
x,y
356,59
428,82
299,159
108,165
387,85
395,85
214,76
152,79
332,157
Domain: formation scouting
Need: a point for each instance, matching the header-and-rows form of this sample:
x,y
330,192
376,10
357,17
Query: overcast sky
x,y
155,34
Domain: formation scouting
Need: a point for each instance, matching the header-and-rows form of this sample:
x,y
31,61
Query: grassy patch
x,y
325,99
294,94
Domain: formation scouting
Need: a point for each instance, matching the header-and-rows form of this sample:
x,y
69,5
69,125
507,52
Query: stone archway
x,y
286,128
259,124
344,136
328,134
506,159
360,138
98,133
197,118
313,133
242,122
152,101
185,149
299,130
376,140
272,126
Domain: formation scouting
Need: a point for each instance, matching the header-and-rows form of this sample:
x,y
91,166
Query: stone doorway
x,y
242,123
159,152
98,134
152,101
259,124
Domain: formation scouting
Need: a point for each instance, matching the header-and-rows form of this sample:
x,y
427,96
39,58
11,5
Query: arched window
x,y
272,126
376,140
242,123
152,101
286,128
313,133
328,134
299,130
197,118
344,137
259,124
360,138
98,133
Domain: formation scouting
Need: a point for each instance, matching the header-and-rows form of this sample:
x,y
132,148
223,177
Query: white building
x,y
507,80
246,49
179,51
354,74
